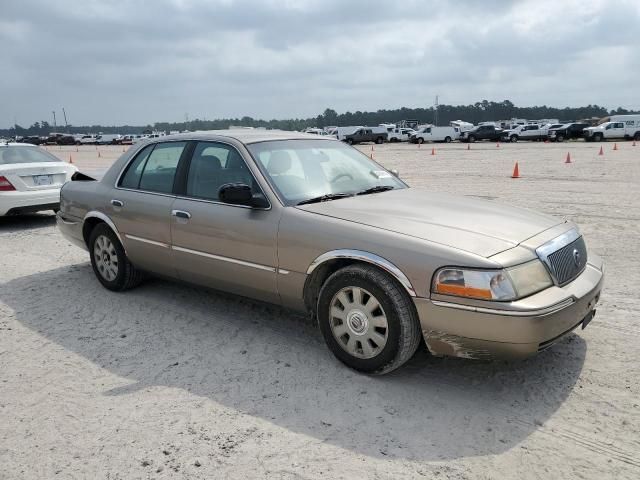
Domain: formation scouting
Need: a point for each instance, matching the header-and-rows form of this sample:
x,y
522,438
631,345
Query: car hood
x,y
481,227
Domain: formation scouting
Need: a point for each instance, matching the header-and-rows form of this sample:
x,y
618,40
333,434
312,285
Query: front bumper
x,y
521,329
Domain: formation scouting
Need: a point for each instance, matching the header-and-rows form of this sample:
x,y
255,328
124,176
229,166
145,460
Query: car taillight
x,y
5,185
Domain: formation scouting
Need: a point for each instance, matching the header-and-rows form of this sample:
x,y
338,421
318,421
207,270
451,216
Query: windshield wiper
x,y
376,189
325,198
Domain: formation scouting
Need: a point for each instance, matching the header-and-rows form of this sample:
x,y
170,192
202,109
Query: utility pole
x,y
435,112
54,120
66,125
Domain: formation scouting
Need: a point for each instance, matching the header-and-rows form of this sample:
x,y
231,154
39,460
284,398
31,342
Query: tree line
x,y
474,113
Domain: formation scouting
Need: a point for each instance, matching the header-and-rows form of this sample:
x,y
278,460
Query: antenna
x,y
66,125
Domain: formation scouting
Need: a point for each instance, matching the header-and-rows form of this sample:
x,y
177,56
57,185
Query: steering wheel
x,y
335,179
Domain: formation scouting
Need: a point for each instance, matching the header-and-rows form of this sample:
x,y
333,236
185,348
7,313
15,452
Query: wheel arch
x,y
328,263
94,218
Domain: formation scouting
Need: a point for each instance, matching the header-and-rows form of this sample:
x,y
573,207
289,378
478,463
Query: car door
x,y
140,205
614,130
220,245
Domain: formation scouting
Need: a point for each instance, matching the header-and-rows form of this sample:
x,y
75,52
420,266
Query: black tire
x,y
513,138
560,138
379,140
127,275
420,140
447,139
472,139
403,332
597,137
350,141
636,137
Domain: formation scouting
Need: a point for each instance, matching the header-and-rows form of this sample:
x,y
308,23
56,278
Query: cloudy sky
x,y
137,62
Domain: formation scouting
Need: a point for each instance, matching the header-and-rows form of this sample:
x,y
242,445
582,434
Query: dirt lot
x,y
168,381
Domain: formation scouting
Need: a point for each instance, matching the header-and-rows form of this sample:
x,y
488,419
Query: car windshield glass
x,y
301,170
11,155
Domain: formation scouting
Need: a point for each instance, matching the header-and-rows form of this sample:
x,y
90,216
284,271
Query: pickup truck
x,y
526,132
400,134
567,131
482,132
365,135
613,130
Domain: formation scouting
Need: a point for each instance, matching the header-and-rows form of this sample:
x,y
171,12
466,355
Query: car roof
x,y
245,136
15,144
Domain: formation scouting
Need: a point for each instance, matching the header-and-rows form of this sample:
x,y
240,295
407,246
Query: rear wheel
x,y
109,260
472,138
420,140
349,141
367,319
447,139
560,138
636,137
379,140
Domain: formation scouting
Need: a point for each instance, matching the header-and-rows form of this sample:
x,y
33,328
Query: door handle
x,y
117,203
181,214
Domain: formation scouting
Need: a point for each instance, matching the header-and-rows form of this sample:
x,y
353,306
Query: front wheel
x,y
636,137
379,140
349,141
420,140
109,261
514,138
472,139
559,138
597,137
367,319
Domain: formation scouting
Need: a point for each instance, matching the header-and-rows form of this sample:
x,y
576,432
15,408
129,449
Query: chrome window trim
x,y
146,240
225,259
509,313
203,200
367,257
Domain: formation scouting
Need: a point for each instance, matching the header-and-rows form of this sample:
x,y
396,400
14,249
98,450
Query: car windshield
x,y
12,155
302,170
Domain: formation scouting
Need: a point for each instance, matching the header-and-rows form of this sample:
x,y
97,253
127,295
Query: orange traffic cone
x,y
70,159
76,149
433,151
372,148
468,146
601,152
568,160
371,155
98,153
615,146
516,171
498,145
418,144
633,144
123,150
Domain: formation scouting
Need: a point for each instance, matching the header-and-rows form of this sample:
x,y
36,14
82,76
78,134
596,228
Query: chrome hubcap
x,y
358,322
106,258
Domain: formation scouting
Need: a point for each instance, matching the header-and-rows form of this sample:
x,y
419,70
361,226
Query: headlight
x,y
501,285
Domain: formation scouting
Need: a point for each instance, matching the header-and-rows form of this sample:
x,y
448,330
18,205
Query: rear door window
x,y
160,168
133,173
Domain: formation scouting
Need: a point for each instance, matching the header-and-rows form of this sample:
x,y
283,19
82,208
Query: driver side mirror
x,y
240,194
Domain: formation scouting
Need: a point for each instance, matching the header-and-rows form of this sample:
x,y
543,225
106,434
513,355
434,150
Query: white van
x,y
436,134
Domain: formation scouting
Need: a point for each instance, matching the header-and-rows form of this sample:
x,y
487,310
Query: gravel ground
x,y
170,381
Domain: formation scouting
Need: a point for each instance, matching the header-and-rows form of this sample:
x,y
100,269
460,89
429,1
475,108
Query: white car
x,y
30,179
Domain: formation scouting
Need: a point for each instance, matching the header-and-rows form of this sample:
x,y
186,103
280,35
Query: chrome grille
x,y
568,262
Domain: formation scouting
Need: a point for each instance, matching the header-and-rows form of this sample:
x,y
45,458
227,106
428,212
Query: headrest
x,y
279,162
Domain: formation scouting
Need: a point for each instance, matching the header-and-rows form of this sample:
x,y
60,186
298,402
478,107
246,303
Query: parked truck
x,y
435,134
619,127
482,132
366,134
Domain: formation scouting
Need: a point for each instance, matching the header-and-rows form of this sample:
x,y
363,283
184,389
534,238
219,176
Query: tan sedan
x,y
313,224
